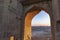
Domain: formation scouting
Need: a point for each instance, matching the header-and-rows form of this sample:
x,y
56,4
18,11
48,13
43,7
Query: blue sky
x,y
41,19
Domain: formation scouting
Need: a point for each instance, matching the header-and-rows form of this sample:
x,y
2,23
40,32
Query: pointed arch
x,y
41,18
27,21
38,8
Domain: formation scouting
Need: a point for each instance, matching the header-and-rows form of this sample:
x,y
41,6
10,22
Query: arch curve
x,y
38,8
28,18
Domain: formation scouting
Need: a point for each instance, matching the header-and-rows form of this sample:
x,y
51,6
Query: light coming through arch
x,y
41,19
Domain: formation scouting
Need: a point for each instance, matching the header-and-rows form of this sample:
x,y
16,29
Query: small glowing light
x,y
12,38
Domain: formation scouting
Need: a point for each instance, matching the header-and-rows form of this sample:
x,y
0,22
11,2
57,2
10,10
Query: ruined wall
x,y
9,19
12,17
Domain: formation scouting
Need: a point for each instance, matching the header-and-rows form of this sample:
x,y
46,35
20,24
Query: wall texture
x,y
12,17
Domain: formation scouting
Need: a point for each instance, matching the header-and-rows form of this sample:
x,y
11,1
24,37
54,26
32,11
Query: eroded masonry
x,y
14,16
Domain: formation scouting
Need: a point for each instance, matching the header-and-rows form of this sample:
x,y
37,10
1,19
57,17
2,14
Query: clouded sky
x,y
41,19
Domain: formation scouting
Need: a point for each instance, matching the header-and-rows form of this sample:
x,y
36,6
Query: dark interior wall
x,y
58,30
58,26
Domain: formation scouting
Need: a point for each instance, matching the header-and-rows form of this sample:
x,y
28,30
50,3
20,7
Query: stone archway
x,y
28,18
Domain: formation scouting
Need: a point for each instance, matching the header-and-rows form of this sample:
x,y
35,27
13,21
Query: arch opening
x,y
27,23
41,26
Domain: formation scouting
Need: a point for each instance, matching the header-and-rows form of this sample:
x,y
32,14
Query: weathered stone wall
x,y
9,19
12,17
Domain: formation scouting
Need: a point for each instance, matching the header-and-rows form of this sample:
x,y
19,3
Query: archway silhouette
x,y
41,25
41,19
28,18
